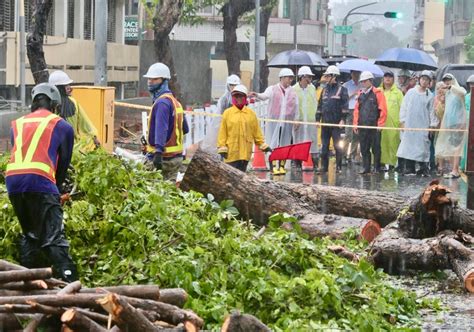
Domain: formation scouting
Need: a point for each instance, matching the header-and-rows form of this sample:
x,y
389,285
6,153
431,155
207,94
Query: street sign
x,y
343,29
131,27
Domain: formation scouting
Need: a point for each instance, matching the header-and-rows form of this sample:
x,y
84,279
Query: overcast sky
x,y
403,28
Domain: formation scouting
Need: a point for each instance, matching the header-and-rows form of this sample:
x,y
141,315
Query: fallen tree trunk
x,y
461,260
258,199
126,315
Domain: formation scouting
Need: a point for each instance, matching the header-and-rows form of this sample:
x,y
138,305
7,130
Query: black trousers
x,y
326,134
241,165
370,144
41,220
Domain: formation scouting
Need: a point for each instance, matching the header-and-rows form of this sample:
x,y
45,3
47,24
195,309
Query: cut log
x,y
237,322
9,266
22,275
461,259
10,322
168,313
320,225
25,285
258,199
126,315
174,296
77,321
151,292
69,289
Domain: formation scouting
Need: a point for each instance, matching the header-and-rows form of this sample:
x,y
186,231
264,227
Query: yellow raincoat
x,y
84,130
239,130
391,138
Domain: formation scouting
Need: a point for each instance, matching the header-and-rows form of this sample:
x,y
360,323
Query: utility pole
x,y
21,22
256,76
100,31
344,22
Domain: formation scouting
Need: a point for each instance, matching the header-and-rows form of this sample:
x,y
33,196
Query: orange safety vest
x,y
175,143
32,137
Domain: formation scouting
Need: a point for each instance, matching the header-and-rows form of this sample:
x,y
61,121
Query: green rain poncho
x,y
391,138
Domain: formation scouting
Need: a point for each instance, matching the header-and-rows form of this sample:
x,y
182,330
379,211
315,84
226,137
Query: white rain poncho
x,y
307,112
417,111
209,142
451,143
283,105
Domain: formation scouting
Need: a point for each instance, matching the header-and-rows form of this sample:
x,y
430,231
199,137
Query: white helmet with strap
x,y
59,77
158,70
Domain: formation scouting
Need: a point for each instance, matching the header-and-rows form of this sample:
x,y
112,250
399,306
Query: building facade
x,y
458,16
69,45
428,24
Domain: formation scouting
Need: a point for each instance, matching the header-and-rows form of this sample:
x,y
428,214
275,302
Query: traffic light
x,y
393,15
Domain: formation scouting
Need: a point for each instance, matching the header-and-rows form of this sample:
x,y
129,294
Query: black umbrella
x,y
406,58
297,58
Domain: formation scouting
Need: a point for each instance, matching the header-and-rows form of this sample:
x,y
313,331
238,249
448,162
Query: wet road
x,y
390,181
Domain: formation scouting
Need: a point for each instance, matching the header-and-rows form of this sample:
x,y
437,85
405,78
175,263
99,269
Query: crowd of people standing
x,y
383,128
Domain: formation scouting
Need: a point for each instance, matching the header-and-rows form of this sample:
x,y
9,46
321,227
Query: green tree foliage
x,y
130,227
469,44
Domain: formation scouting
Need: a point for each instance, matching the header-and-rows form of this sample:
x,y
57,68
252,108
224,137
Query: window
x,y
70,18
88,19
7,20
50,22
111,18
307,9
286,8
467,10
131,7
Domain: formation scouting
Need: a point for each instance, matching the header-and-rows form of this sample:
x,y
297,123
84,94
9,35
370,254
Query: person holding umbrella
x,y
417,111
370,110
332,109
308,105
391,138
283,105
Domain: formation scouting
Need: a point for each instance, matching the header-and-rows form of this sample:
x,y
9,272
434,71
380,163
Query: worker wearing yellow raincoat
x,y
238,132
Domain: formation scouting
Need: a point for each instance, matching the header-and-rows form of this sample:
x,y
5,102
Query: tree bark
x,y
34,40
10,321
166,16
9,266
123,313
77,321
151,292
231,12
461,260
174,296
25,285
24,275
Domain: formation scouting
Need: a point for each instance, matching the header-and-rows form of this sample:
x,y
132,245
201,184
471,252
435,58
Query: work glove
x,y
158,161
268,149
64,198
223,154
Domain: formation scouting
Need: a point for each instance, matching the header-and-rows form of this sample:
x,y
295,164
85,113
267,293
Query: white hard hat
x,y
332,70
404,72
448,76
158,70
233,80
428,74
366,75
470,79
47,89
305,70
59,77
286,72
241,89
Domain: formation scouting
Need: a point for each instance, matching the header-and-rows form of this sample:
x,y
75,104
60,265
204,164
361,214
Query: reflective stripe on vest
x,y
175,143
26,164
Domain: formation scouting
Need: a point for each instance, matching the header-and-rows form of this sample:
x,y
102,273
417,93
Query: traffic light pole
x,y
344,22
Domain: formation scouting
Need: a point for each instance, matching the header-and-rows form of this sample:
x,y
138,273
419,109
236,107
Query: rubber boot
x,y
275,167
315,159
66,272
282,167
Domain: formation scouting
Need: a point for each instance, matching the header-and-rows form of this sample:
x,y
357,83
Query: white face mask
x,y
323,85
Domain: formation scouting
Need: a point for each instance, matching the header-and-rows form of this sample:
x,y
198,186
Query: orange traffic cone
x,y
308,164
258,163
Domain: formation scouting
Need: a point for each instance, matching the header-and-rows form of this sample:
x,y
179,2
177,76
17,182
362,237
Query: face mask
x,y
154,87
323,85
239,105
